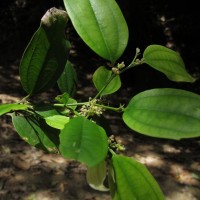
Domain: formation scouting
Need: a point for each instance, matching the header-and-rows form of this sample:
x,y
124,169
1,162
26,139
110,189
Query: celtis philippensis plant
x,y
72,129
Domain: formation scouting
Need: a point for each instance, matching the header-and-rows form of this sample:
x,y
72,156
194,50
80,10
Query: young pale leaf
x,y
36,133
164,113
68,80
6,108
57,121
134,181
45,57
84,141
168,62
101,25
96,176
101,76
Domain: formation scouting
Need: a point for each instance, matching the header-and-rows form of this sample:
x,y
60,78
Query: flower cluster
x,y
91,109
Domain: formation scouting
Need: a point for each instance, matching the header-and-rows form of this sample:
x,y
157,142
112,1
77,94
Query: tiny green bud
x,y
120,65
137,50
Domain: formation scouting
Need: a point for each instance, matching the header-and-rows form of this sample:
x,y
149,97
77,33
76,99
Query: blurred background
x,y
169,23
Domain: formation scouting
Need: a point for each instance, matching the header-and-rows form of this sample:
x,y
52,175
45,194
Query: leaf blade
x,y
96,176
102,24
164,113
134,181
57,121
168,62
101,77
46,54
6,108
68,80
84,141
36,133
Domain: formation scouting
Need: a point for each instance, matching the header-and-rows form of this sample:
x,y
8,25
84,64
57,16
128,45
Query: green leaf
x,y
134,181
45,56
84,141
68,80
101,25
47,110
168,62
55,117
6,108
63,98
164,113
73,103
101,76
103,122
111,181
36,133
57,121
96,176
70,104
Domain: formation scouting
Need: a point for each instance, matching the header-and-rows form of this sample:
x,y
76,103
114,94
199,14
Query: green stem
x,y
104,87
132,64
119,109
69,104
25,98
112,152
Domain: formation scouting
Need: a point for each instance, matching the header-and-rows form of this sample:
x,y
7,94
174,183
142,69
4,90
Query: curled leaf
x,y
45,56
96,176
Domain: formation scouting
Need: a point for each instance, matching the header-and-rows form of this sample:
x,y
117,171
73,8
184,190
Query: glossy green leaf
x,y
84,141
164,113
101,25
168,62
96,176
134,181
36,132
101,77
45,57
57,121
68,80
10,107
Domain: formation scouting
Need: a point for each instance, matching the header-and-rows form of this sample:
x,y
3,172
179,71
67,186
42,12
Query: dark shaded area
x,y
168,23
19,19
164,22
